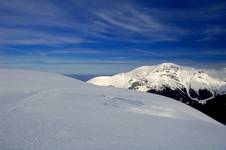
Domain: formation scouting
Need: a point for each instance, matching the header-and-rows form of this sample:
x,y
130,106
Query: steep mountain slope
x,y
188,85
43,111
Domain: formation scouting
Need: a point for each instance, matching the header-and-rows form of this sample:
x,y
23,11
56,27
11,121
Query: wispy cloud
x,y
213,33
35,37
132,21
125,22
177,53
27,22
122,21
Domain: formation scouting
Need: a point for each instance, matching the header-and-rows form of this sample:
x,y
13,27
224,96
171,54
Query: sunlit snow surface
x,y
42,111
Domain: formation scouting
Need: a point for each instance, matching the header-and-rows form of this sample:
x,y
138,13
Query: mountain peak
x,y
157,68
167,67
165,75
168,64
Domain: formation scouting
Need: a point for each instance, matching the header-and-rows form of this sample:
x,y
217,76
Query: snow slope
x,y
165,75
43,111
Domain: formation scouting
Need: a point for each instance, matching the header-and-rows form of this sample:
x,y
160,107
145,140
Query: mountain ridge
x,y
189,85
167,74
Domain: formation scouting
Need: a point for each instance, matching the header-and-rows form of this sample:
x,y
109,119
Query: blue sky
x,y
109,36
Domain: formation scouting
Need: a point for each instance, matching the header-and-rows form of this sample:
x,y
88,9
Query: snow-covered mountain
x,y
195,84
188,85
43,111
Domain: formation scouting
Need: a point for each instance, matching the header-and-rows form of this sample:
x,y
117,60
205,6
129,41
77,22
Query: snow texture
x,y
43,111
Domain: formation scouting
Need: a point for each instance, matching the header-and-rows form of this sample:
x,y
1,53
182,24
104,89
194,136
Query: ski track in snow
x,y
25,102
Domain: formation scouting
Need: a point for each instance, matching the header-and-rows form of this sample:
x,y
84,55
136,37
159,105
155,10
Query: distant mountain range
x,y
188,85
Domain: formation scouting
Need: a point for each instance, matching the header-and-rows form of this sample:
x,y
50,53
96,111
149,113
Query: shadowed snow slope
x,y
42,111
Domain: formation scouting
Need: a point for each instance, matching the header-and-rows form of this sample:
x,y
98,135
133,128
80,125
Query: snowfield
x,y
43,111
